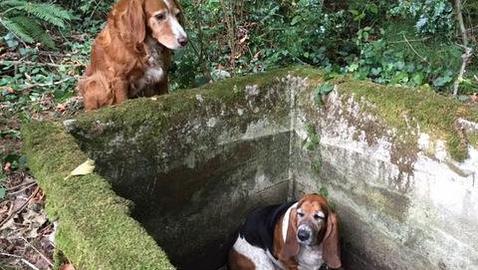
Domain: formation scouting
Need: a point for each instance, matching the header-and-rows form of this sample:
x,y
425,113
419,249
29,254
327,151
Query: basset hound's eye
x,y
300,214
317,217
160,16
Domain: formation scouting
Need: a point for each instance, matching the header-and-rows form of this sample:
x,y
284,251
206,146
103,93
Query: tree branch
x,y
30,63
468,51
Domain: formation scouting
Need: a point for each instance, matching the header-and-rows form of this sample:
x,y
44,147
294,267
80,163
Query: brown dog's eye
x,y
160,16
318,217
300,214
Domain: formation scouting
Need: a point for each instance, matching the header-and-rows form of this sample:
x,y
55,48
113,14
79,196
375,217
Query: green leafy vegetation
x,y
46,46
23,20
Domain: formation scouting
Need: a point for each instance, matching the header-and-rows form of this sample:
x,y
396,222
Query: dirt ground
x,y
26,233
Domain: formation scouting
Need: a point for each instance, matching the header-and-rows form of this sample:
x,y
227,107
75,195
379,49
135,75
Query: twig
x,y
409,40
200,53
231,36
10,208
34,248
22,189
20,185
32,266
30,63
30,86
468,51
94,10
19,209
413,49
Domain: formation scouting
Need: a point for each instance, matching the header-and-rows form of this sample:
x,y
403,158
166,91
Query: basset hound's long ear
x,y
331,245
291,246
132,22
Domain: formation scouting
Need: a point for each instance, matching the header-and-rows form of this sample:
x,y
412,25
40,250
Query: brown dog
x,y
297,235
132,54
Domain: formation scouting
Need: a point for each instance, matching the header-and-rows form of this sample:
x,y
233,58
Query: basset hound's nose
x,y
183,41
303,235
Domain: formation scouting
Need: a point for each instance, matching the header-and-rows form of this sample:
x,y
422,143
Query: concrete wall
x,y
193,182
420,216
194,163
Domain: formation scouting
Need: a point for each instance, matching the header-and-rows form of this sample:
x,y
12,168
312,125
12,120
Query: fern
x,y
47,12
34,30
24,19
17,30
10,3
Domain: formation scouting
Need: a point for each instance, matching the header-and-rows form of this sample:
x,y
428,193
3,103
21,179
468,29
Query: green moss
x,y
473,139
95,231
177,108
405,109
313,138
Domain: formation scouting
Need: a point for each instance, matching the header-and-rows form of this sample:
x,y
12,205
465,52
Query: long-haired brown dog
x,y
132,54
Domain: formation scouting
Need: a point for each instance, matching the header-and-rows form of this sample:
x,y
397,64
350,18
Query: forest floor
x,y
26,233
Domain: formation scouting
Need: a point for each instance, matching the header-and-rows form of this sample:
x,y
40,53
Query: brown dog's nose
x,y
183,41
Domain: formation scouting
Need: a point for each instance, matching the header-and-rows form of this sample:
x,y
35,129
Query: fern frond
x,y
47,12
17,29
34,30
12,3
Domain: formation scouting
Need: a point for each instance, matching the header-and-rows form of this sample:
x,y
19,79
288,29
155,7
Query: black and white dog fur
x,y
299,235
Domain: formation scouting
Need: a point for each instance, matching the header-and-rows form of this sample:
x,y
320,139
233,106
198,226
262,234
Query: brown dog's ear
x,y
181,18
132,22
291,246
331,245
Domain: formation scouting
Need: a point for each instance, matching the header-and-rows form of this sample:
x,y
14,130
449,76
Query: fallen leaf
x,y
61,107
67,266
7,167
474,97
9,90
85,168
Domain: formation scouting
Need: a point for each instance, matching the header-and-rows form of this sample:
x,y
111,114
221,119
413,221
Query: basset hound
x,y
299,235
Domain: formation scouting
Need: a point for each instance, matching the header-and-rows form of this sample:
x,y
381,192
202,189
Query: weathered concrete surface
x,y
195,180
194,163
420,216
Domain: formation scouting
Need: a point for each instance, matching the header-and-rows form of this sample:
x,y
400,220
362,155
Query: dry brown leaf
x,y
7,167
474,97
67,266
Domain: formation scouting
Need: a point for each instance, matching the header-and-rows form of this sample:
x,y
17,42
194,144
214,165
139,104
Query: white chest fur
x,y
310,257
256,255
155,72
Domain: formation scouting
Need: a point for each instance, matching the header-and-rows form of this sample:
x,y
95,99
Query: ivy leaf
x,y
322,90
325,88
442,80
418,78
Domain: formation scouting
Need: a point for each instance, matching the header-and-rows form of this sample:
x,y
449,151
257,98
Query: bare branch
x,y
468,51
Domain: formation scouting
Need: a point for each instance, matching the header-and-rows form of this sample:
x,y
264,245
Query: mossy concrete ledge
x,y
95,230
176,174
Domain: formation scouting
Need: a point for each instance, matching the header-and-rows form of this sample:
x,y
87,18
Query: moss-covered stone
x,y
412,111
95,231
